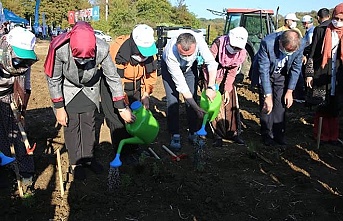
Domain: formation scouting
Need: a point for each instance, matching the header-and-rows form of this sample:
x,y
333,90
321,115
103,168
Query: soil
x,y
249,182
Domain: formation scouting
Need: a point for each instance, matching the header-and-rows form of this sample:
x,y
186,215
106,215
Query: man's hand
x,y
211,94
268,104
127,116
289,98
309,82
62,116
145,100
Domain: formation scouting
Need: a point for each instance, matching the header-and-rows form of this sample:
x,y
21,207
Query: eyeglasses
x,y
22,63
337,19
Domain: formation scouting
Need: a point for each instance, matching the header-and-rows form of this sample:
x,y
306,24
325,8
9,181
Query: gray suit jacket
x,y
65,83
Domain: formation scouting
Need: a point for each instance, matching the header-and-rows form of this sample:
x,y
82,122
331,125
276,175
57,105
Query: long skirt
x,y
227,124
11,135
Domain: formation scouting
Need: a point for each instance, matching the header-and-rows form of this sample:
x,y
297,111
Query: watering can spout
x,y
131,140
116,162
143,131
202,131
212,109
4,160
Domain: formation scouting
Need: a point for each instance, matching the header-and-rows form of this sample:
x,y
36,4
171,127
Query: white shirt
x,y
177,66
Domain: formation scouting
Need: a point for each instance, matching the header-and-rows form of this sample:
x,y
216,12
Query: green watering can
x,y
212,109
143,131
4,160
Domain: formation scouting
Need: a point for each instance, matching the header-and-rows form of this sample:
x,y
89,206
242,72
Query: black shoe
x,y
95,166
3,179
335,143
238,140
78,172
280,141
218,142
268,141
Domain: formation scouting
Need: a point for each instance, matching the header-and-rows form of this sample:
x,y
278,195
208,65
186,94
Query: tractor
x,y
258,22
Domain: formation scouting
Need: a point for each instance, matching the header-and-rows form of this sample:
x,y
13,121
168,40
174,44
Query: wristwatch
x,y
212,87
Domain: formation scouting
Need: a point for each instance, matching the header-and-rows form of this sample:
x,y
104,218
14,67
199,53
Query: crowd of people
x,y
81,73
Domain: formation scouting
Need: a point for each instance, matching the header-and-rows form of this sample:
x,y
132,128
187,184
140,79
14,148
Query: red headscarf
x,y
327,44
82,42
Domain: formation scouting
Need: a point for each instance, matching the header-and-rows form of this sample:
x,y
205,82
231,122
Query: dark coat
x,y
320,75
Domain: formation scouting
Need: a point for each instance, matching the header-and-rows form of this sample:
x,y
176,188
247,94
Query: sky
x,y
198,7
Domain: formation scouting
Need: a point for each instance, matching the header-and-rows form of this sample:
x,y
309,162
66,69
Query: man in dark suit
x,y
276,69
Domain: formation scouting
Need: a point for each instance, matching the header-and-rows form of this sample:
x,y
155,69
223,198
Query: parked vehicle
x,y
164,34
258,23
102,35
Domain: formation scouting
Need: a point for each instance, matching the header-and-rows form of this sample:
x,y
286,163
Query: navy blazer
x,y
266,59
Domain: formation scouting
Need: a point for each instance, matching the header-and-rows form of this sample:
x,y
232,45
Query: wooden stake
x,y
28,147
16,171
153,153
171,153
59,167
320,123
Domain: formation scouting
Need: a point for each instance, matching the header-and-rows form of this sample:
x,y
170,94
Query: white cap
x,y
307,18
292,16
143,36
238,37
22,42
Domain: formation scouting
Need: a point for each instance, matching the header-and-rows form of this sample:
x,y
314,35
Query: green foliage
x,y
216,27
142,158
156,169
123,15
29,200
126,180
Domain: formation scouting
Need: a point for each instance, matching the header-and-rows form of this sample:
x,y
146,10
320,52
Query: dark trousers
x,y
112,116
300,88
273,124
173,117
79,137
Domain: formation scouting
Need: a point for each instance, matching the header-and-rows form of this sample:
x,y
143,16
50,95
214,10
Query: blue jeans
x,y
173,117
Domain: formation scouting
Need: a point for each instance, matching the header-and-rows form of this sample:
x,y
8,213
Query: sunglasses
x,y
22,63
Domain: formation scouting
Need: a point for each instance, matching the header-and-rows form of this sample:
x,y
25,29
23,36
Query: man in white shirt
x,y
178,76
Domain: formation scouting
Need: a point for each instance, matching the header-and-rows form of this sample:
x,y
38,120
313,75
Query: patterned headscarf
x,y
327,44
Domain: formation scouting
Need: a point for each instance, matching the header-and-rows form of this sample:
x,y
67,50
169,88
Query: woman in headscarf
x,y
326,79
75,63
17,57
229,51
